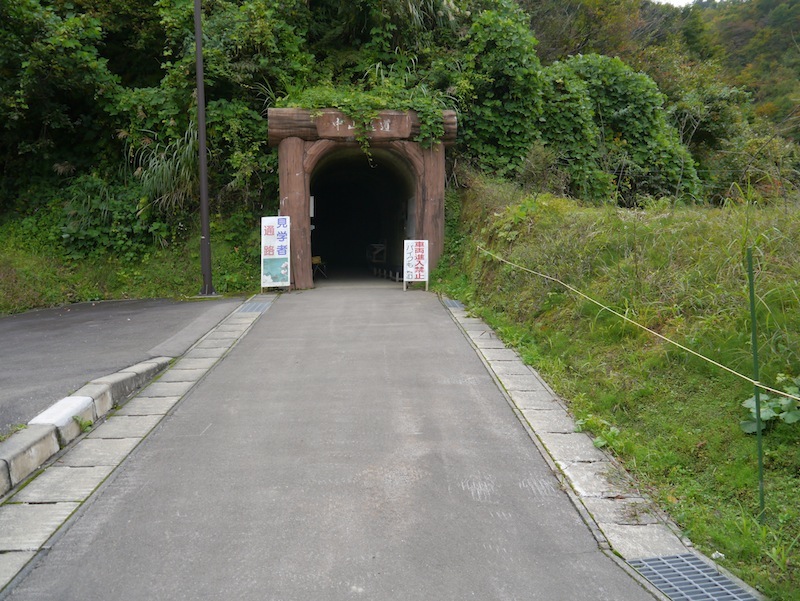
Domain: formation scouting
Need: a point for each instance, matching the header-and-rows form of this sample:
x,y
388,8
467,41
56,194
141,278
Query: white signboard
x,y
415,262
275,252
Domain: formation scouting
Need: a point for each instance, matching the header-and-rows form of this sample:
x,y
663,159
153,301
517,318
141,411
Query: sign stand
x,y
275,262
415,262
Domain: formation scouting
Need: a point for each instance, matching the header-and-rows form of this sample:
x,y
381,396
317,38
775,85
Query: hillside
x,y
98,96
671,418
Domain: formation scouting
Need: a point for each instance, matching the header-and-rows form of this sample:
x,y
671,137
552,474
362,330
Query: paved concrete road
x,y
351,446
47,354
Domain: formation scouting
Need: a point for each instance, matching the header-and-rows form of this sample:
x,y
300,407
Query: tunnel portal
x,y
394,194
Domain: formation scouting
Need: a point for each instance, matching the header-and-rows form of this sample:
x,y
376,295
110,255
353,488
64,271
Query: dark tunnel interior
x,y
360,202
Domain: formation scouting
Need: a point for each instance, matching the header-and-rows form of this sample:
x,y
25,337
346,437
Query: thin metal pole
x,y
205,229
757,390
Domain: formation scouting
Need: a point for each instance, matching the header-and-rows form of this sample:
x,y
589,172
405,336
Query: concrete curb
x,y
624,521
62,415
26,451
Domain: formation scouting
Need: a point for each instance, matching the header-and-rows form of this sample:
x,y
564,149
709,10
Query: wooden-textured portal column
x,y
433,201
294,203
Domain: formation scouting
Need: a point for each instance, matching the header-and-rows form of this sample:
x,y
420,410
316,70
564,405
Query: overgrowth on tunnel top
x,y
363,105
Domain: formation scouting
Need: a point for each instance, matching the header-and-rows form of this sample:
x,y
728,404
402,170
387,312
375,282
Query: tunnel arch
x,y
395,193
360,201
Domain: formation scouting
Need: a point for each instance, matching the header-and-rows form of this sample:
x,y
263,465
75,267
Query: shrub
x,y
609,124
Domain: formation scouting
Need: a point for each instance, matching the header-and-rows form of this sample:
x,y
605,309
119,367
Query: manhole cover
x,y
689,578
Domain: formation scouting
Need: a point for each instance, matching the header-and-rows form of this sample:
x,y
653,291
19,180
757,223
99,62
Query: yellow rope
x,y
638,325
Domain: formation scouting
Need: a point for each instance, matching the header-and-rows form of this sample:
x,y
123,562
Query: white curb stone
x,y
61,415
122,384
28,449
101,394
148,369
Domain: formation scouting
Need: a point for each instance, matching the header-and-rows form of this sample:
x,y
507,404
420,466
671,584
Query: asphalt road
x,y
351,446
45,355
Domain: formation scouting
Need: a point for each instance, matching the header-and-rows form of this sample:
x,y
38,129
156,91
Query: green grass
x,y
671,418
35,275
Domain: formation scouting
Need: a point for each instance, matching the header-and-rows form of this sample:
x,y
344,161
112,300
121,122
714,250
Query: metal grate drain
x,y
452,304
254,307
689,578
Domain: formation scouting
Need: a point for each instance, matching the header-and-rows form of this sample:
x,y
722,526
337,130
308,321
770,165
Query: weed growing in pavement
x,y
84,424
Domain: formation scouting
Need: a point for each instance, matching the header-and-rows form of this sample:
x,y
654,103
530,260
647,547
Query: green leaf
x,y
767,412
750,426
791,417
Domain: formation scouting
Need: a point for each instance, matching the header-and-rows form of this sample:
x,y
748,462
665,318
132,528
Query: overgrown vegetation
x,y
36,272
672,419
97,99
676,130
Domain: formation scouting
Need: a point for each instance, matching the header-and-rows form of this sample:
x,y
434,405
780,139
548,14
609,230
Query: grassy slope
x,y
33,274
671,418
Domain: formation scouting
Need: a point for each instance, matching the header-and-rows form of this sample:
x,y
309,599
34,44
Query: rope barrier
x,y
638,325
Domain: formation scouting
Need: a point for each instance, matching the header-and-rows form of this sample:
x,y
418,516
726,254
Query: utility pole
x,y
205,229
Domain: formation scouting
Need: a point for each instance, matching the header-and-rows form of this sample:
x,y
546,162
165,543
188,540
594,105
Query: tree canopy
x,y
626,99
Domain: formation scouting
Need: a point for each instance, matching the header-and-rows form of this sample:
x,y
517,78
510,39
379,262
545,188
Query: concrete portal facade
x,y
304,138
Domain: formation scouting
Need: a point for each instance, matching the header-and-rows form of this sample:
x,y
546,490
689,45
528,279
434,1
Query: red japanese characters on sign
x,y
415,262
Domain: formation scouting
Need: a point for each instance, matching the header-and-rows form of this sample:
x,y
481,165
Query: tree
x,y
569,27
54,86
500,91
628,140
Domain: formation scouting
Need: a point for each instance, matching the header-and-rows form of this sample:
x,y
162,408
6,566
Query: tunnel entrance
x,y
361,205
358,202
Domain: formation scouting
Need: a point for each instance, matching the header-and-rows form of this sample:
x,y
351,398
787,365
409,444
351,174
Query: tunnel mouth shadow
x,y
363,208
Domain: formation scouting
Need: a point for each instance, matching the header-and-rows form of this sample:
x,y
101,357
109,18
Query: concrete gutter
x,y
27,450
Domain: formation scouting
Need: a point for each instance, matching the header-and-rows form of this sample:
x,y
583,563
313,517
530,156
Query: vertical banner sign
x,y
415,262
275,252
